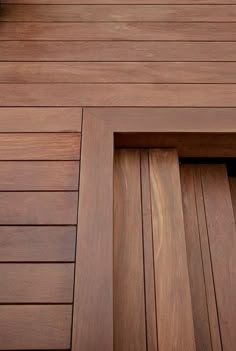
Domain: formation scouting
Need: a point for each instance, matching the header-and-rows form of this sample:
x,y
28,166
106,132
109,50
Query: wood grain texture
x,y
222,237
37,244
148,251
35,327
191,2
195,264
107,72
39,146
129,301
174,310
35,175
116,51
207,263
232,181
38,208
36,283
119,31
189,95
93,302
40,119
118,13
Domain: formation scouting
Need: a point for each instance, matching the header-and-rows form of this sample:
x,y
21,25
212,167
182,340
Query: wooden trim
x,y
93,308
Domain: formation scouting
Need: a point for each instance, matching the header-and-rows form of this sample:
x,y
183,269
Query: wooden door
x,y
174,254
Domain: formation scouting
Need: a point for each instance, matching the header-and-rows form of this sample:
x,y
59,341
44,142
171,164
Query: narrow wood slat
x,y
35,175
202,95
191,2
161,72
40,119
83,13
35,327
195,265
116,51
119,31
174,310
36,283
207,264
38,208
129,302
151,323
37,244
233,193
39,146
222,237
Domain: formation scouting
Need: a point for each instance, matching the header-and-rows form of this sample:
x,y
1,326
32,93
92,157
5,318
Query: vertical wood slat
x,y
174,310
232,181
152,342
195,264
129,303
222,238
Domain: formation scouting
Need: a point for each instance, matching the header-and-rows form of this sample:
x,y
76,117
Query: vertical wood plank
x,y
222,237
195,265
129,302
232,182
174,310
152,341
206,259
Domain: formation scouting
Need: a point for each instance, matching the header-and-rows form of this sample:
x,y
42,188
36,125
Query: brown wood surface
x,y
205,95
93,298
119,13
116,51
38,208
35,175
233,193
129,300
207,263
37,244
174,310
117,72
222,238
195,264
40,119
36,283
119,31
39,146
35,327
148,251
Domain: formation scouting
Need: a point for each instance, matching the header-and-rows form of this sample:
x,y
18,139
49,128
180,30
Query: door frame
x,y
93,295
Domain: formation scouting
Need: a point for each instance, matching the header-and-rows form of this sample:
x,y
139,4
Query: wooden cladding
x,y
158,218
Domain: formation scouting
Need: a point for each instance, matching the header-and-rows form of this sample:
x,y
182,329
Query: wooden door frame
x,y
93,303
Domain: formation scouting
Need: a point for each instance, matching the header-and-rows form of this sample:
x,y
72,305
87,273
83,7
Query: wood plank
x,y
151,323
198,95
116,51
174,310
207,264
37,244
119,13
36,283
93,298
222,237
195,264
129,301
232,181
38,208
119,31
39,146
191,2
40,119
35,327
117,72
39,175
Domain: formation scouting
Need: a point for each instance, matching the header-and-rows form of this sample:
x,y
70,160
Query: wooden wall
x,y
55,61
